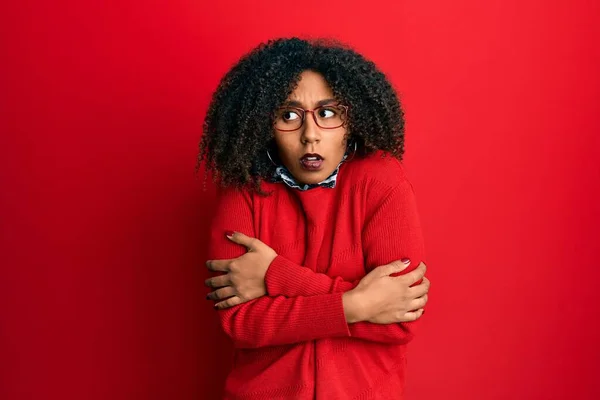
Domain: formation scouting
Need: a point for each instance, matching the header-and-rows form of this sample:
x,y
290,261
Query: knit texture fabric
x,y
295,343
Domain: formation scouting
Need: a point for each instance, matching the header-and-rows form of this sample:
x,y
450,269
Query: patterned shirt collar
x,y
282,174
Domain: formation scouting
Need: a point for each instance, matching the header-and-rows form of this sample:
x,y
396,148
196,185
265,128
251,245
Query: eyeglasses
x,y
289,119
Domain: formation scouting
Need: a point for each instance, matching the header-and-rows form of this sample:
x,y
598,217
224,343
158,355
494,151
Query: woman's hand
x,y
244,277
383,299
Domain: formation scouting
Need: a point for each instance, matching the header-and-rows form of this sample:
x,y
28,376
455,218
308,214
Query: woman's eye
x,y
327,112
289,115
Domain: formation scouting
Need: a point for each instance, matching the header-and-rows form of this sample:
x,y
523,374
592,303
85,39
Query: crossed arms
x,y
265,299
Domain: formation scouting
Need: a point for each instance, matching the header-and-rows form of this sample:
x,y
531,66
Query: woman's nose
x,y
311,132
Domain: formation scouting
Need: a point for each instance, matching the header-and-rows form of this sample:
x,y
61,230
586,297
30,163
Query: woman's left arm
x,y
392,231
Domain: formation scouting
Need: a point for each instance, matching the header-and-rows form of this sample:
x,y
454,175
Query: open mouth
x,y
312,161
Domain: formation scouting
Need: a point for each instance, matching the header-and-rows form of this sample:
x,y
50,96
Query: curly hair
x,y
238,127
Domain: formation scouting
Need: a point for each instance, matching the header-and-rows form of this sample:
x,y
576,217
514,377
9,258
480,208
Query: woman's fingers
x,y
418,303
412,315
222,293
230,302
386,270
218,281
246,241
419,290
218,265
416,275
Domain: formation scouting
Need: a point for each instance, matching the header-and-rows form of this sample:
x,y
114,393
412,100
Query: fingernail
x,y
229,234
405,261
215,307
207,297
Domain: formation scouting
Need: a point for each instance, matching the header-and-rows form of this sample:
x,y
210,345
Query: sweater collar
x,y
282,174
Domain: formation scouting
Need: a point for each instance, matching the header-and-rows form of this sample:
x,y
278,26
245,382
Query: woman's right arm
x,y
269,321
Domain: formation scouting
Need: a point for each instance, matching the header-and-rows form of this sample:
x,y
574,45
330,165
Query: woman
x,y
314,211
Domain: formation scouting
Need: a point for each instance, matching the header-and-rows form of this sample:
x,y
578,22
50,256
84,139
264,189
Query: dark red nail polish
x,y
229,233
405,260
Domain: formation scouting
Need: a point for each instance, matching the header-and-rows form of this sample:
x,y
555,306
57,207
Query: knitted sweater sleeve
x,y
391,232
269,320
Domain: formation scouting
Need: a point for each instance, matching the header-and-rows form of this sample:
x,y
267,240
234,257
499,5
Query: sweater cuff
x,y
332,316
279,276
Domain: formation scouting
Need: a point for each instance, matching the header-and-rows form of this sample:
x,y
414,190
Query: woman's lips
x,y
311,165
311,162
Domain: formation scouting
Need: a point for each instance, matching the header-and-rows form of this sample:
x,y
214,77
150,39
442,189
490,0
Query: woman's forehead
x,y
312,90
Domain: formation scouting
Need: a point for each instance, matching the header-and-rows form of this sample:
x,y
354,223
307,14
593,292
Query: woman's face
x,y
311,153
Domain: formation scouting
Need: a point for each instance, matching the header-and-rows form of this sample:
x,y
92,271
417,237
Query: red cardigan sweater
x,y
295,343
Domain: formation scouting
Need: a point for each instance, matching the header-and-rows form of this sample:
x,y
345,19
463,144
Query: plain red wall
x,y
103,223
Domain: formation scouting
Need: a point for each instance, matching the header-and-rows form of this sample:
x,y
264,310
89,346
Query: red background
x,y
104,224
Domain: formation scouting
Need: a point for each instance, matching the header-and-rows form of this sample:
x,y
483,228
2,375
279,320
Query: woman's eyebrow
x,y
295,103
326,101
